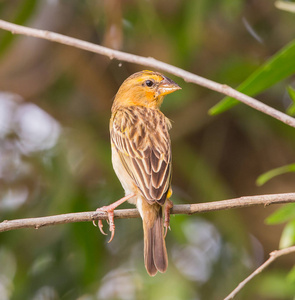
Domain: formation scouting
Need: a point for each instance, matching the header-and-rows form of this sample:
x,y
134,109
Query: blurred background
x,y
55,155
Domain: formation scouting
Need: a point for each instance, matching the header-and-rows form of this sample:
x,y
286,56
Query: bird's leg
x,y
110,211
168,206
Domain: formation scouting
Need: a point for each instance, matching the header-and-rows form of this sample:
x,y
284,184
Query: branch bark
x,y
149,62
273,256
133,213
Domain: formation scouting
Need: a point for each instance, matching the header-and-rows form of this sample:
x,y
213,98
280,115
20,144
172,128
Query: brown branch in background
x,y
149,62
133,213
273,256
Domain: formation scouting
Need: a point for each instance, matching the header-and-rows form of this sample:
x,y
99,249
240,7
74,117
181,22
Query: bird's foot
x,y
168,206
110,211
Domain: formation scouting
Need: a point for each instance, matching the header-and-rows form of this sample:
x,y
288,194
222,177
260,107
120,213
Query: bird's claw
x,y
110,221
110,211
100,226
111,224
112,230
166,229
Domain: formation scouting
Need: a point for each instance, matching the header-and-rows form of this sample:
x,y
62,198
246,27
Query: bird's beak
x,y
167,86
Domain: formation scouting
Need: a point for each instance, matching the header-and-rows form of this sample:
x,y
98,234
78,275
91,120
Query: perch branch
x,y
133,213
272,257
149,62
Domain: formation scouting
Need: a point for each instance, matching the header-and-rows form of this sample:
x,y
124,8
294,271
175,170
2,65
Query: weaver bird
x,y
141,157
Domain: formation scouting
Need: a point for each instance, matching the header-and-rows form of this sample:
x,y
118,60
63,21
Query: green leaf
x,y
288,235
262,179
283,214
280,66
291,108
24,13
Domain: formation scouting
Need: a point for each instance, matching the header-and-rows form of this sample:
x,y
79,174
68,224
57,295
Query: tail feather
x,y
155,253
160,252
148,252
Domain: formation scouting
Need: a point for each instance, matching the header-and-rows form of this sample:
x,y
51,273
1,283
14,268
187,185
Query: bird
x,y
141,158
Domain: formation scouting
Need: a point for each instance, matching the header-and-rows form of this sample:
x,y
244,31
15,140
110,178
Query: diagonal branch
x,y
149,62
272,257
133,213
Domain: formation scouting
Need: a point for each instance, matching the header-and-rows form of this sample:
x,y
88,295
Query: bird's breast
x,y
126,182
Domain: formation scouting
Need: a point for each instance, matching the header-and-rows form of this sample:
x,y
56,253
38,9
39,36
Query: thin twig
x,y
133,213
149,62
273,256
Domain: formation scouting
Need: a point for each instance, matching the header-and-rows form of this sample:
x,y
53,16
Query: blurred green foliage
x,y
291,108
263,178
55,152
284,214
279,67
288,235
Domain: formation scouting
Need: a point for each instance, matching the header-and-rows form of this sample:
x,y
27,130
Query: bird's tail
x,y
155,253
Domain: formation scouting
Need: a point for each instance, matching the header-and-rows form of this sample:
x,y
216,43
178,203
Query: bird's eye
x,y
149,83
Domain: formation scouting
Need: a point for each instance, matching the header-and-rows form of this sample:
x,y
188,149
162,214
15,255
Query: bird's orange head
x,y
145,88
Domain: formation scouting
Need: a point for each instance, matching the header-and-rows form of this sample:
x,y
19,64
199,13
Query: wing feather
x,y
141,138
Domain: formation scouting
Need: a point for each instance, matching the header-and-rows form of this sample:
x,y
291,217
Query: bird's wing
x,y
141,138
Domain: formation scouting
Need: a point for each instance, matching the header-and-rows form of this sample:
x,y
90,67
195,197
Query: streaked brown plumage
x,y
141,156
